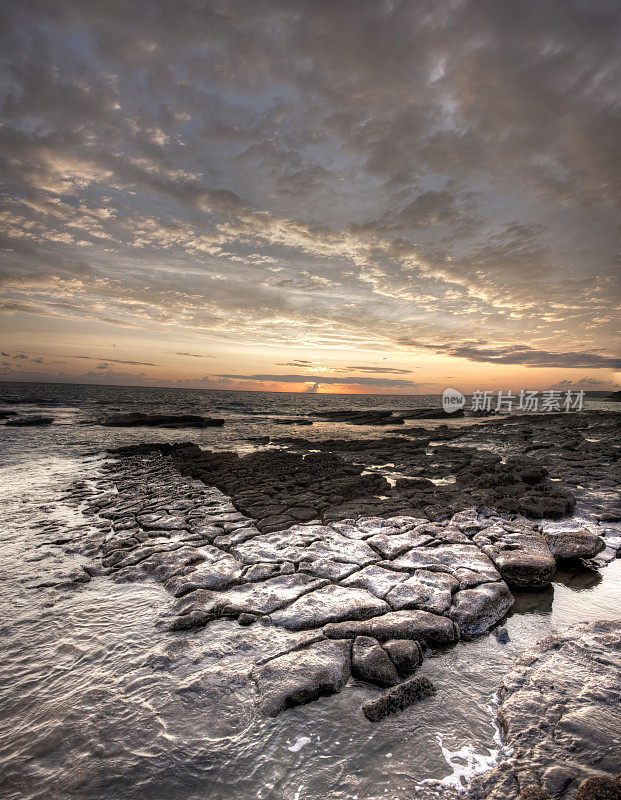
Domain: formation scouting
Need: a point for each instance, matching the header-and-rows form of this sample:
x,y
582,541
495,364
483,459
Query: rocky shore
x,y
560,715
347,570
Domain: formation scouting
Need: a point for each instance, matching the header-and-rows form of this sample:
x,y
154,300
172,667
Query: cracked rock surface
x,y
372,592
561,716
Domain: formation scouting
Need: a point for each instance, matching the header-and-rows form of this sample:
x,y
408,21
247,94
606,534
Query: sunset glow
x,y
380,198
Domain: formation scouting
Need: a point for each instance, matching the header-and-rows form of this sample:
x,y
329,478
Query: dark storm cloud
x,y
390,171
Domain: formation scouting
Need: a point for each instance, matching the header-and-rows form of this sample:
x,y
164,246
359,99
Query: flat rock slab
x,y
262,597
465,561
303,675
375,579
390,545
419,625
422,593
329,604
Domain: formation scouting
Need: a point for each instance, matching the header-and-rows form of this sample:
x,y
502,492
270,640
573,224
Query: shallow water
x,y
97,702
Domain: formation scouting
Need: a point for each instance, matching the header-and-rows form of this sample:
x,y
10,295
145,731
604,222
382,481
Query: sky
x,y
350,196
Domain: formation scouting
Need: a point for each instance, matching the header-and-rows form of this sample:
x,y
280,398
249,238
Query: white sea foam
x,y
465,763
299,743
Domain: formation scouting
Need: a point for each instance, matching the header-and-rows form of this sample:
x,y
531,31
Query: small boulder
x,y
574,544
370,662
398,698
397,625
599,788
405,654
476,610
523,559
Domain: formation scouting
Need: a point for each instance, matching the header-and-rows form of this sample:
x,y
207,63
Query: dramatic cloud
x,y
530,357
389,179
329,380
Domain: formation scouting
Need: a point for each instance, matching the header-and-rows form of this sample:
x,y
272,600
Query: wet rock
x,y
523,559
389,546
361,417
261,572
574,544
303,675
26,422
502,634
599,788
326,568
161,421
534,793
556,779
476,610
464,561
419,625
375,579
329,604
405,654
430,591
398,698
560,714
217,571
370,662
266,597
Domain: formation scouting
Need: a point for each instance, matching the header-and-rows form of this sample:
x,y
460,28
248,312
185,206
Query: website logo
x,y
452,400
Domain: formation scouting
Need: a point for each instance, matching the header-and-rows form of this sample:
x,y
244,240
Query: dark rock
x,y
370,662
25,422
161,421
405,654
398,698
246,619
574,544
599,787
361,417
431,413
302,675
534,793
